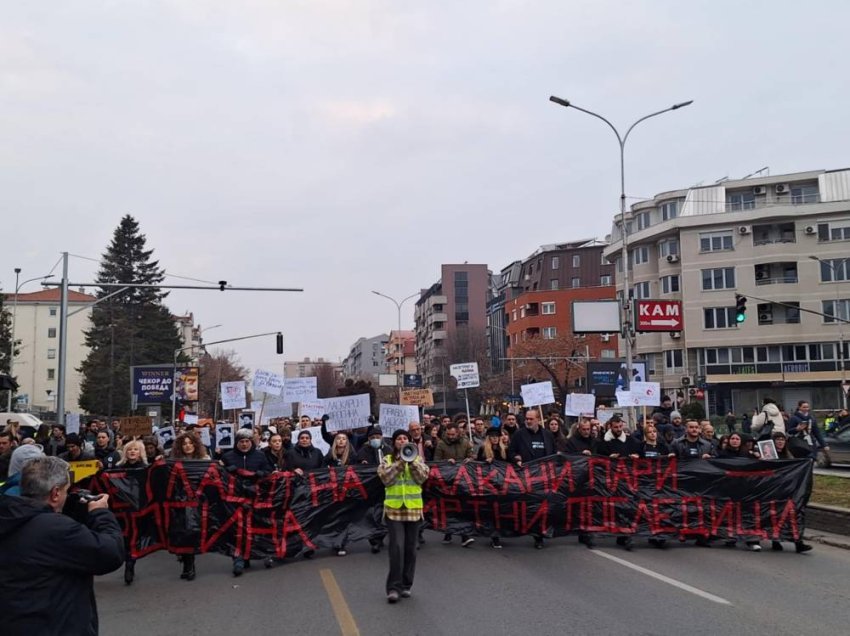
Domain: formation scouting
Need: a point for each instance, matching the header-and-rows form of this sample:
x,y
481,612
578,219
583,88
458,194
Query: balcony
x,y
438,335
776,273
437,300
768,234
437,317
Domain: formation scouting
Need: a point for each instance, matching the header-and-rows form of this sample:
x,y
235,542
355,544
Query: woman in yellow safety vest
x,y
403,478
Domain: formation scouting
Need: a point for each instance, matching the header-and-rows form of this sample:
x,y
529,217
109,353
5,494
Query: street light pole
x,y
18,287
625,303
836,317
400,359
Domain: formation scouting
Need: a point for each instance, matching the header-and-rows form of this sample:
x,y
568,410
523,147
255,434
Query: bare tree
x,y
558,360
217,367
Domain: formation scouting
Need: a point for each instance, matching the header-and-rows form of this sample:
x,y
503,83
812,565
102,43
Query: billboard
x,y
604,379
152,383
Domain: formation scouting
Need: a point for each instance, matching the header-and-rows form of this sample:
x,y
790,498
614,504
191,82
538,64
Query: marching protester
x,y
780,441
479,434
651,447
530,443
803,425
556,426
494,450
47,560
616,442
372,453
104,451
454,447
340,453
581,441
74,451
187,447
403,513
510,424
153,451
56,445
244,457
767,421
133,458
423,441
7,445
692,445
19,458
275,452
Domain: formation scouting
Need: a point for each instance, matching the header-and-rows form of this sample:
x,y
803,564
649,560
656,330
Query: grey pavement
x,y
565,588
842,470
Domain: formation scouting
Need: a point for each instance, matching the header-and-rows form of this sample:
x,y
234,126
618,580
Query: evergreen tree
x,y
132,328
5,344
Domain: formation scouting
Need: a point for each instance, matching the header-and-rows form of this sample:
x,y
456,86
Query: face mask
x,y
375,442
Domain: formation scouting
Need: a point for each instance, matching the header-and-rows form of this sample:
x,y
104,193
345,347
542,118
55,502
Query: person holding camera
x,y
403,472
48,560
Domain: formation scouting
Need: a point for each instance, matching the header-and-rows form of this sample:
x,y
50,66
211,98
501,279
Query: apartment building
x,y
452,309
556,267
366,357
780,241
307,368
401,352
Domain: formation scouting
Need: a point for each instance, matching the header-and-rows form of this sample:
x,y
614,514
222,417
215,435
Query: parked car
x,y
839,448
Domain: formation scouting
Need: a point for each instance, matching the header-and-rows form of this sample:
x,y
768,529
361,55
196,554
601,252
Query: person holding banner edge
x,y
403,514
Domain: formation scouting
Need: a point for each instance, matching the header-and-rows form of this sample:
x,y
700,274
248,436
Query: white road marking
x,y
662,578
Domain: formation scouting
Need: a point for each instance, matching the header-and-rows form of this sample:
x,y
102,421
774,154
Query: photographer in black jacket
x,y
48,560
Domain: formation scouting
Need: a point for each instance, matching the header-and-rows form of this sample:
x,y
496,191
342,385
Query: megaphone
x,y
409,452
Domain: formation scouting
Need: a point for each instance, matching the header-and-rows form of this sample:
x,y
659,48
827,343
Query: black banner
x,y
197,506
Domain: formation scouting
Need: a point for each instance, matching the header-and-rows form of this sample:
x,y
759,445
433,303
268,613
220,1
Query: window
x,y
830,311
51,374
608,353
673,359
619,264
719,317
547,308
51,354
834,270
576,260
668,248
720,278
605,280
52,311
834,231
514,314
51,332
641,290
522,312
556,262
669,210
602,259
575,282
640,255
670,284
549,333
642,219
804,194
553,283
745,200
715,241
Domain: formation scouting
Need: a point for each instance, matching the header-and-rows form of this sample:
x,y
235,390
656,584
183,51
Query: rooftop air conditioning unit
x,y
811,229
759,190
782,188
675,335
687,380
761,274
744,229
692,392
673,258
765,316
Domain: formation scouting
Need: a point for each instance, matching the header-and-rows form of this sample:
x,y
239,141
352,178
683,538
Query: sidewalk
x,y
833,472
828,538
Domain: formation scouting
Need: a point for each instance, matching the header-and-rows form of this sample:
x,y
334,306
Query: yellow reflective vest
x,y
404,492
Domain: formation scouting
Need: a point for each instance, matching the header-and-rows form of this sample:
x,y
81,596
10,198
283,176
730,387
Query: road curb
x,y
833,521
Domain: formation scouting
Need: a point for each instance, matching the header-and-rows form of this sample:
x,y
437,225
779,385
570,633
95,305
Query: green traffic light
x,y
740,317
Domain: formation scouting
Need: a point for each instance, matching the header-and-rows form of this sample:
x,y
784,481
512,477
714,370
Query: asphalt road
x,y
565,588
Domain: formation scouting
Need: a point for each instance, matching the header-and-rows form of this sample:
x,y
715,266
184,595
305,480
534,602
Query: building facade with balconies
x,y
366,358
780,241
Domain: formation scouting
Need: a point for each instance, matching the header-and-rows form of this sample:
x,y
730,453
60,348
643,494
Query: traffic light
x,y
279,343
740,308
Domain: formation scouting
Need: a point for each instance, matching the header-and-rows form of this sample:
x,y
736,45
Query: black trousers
x,y
403,536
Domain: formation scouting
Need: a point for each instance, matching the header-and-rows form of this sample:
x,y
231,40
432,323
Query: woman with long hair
x,y
495,449
340,453
132,458
153,451
187,447
275,452
105,452
556,427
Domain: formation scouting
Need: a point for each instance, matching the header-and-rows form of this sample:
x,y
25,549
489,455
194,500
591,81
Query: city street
x,y
565,588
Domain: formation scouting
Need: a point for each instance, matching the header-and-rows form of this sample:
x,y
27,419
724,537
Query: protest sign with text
x,y
314,410
466,374
300,390
392,417
268,382
537,394
348,412
578,404
417,397
233,395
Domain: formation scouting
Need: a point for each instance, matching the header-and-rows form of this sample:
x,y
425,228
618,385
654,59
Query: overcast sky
x,y
345,146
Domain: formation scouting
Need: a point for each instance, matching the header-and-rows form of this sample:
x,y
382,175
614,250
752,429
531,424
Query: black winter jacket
x,y
529,446
576,445
47,565
309,458
253,461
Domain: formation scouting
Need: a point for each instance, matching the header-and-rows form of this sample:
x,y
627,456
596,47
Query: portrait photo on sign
x,y
166,436
186,384
246,420
767,449
224,435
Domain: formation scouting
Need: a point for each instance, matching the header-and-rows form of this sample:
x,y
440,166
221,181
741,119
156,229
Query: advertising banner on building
x,y
604,379
151,384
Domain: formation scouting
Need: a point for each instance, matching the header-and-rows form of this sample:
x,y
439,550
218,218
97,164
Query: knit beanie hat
x,y
244,433
399,432
374,430
675,414
22,455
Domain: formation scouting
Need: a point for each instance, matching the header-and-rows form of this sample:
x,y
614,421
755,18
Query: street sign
x,y
466,374
658,315
412,381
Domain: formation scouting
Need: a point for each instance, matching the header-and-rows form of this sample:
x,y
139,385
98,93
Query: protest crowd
x,y
293,445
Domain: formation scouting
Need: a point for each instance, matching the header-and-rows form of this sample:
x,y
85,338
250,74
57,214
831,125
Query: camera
x,y
77,504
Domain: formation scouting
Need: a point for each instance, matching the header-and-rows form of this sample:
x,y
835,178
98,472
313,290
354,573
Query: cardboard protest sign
x,y
578,404
300,390
136,425
72,423
83,469
392,417
417,397
347,412
537,393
